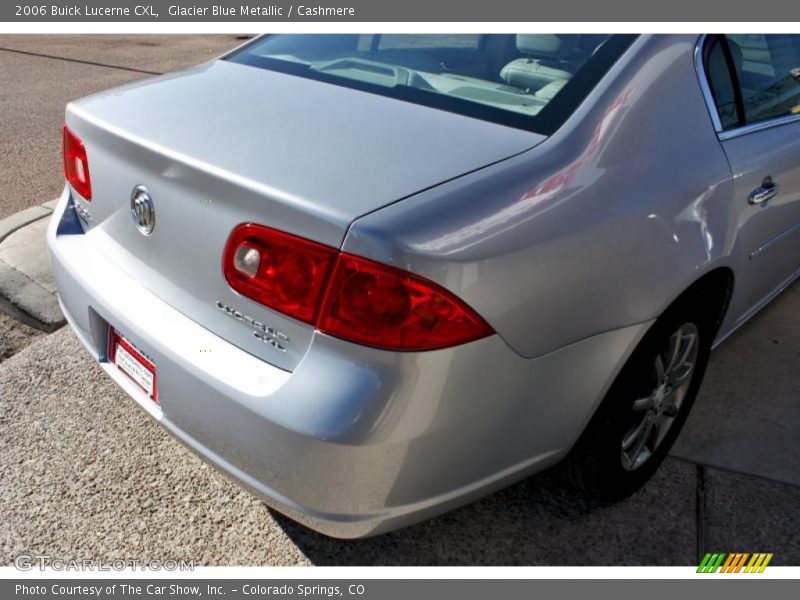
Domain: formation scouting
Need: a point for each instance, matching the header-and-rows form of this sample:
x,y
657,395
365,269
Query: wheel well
x,y
716,287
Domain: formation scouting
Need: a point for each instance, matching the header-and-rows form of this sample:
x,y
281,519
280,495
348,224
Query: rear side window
x,y
754,78
529,81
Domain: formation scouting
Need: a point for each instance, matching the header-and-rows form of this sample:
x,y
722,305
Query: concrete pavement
x,y
27,289
747,417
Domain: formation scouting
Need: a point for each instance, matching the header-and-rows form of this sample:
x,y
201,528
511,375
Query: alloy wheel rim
x,y
654,413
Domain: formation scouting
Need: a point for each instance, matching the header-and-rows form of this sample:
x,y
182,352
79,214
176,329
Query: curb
x,y
22,297
24,217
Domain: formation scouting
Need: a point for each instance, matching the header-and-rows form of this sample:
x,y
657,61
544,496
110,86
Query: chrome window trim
x,y
761,125
729,134
702,77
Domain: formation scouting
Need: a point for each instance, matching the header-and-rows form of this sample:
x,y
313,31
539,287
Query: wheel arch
x,y
717,285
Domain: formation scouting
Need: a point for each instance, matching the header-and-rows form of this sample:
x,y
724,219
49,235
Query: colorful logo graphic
x,y
735,562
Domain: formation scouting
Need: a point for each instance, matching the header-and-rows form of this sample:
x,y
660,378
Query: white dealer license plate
x,y
133,363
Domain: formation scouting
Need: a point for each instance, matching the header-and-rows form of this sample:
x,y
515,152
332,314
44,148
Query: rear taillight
x,y
282,271
347,296
378,305
76,164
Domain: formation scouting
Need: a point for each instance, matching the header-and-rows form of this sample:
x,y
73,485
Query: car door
x,y
755,83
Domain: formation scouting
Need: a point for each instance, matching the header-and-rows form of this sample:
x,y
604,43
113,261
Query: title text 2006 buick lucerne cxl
x,y
373,277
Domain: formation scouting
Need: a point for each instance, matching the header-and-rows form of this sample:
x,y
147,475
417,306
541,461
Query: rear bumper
x,y
354,441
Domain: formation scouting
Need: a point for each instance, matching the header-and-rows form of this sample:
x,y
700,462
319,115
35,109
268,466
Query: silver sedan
x,y
373,277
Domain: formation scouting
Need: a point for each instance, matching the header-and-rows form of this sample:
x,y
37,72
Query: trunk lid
x,y
224,144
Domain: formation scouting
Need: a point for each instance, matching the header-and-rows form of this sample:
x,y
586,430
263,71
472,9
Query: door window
x,y
754,77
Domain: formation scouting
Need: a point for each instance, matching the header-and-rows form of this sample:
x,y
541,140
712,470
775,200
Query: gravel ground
x,y
76,483
14,336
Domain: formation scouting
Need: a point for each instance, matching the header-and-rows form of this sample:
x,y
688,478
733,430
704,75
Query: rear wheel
x,y
643,412
652,416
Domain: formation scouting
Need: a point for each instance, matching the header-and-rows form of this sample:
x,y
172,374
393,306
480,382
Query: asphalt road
x,y
39,74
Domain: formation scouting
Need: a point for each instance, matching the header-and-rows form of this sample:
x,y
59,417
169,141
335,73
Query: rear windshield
x,y
529,81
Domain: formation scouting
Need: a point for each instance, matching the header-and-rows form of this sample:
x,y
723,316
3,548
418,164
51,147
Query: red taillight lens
x,y
76,164
378,305
364,301
281,271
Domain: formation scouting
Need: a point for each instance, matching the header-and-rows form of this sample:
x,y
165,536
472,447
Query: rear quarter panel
x,y
599,227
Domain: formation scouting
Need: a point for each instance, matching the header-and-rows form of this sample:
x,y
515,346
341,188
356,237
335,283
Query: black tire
x,y
595,464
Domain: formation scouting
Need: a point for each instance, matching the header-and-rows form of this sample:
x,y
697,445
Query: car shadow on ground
x,y
540,521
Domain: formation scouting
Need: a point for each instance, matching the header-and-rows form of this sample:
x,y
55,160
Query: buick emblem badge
x,y
143,210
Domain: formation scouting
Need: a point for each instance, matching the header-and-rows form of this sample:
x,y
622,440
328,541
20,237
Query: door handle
x,y
767,191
